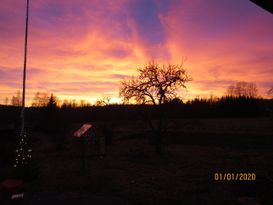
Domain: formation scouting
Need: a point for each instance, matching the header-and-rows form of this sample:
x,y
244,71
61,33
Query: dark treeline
x,y
197,108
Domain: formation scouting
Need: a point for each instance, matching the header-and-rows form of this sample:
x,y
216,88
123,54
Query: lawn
x,y
131,173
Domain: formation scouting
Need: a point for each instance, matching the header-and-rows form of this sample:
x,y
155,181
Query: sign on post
x,y
80,134
84,128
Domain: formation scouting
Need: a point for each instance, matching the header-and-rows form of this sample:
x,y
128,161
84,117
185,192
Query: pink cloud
x,y
85,48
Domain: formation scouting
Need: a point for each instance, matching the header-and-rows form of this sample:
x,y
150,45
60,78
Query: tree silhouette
x,y
40,99
16,100
52,102
105,100
270,92
6,101
155,85
242,89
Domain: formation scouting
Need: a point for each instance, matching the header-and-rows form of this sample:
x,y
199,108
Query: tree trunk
x,y
158,133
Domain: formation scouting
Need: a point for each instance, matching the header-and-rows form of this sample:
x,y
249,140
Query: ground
x,y
130,173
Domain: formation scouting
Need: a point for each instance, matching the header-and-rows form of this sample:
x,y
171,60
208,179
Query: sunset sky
x,y
83,49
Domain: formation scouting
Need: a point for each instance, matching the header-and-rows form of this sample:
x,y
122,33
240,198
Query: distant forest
x,y
47,112
198,108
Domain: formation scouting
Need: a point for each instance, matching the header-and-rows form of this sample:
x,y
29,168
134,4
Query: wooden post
x,y
82,134
83,153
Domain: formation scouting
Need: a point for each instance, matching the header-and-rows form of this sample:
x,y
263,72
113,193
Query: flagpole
x,y
24,74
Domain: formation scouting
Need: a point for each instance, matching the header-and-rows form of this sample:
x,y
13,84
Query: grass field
x,y
130,173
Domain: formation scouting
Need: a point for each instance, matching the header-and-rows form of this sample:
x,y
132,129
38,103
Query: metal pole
x,y
24,75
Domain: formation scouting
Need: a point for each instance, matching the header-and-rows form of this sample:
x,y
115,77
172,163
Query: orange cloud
x,y
83,49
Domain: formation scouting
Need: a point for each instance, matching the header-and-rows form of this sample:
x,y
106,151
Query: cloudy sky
x,y
83,49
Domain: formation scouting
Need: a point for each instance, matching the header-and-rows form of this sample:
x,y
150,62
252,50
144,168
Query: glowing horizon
x,y
83,50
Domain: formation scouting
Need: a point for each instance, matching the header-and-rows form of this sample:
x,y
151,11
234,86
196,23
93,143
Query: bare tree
x,y
16,100
105,100
6,101
270,92
106,127
40,99
155,85
83,103
242,89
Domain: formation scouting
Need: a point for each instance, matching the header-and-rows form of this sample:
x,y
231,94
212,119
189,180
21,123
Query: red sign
x,y
82,130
